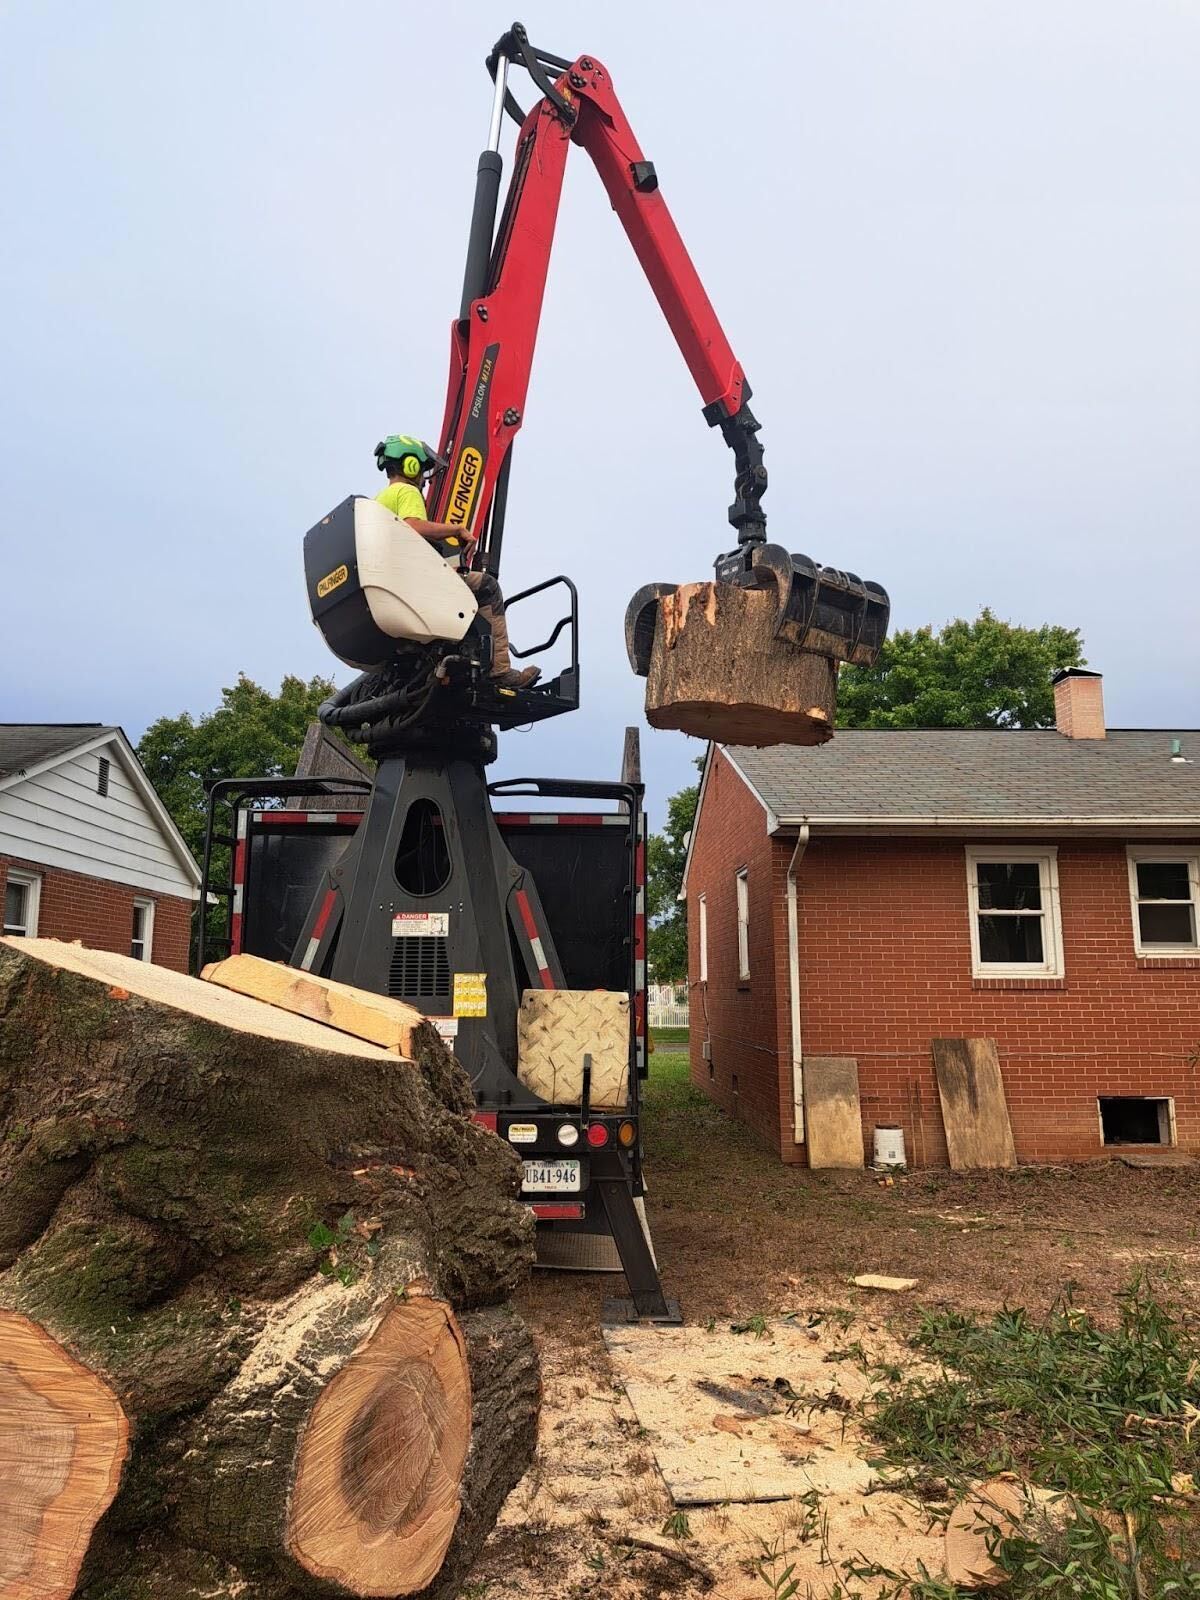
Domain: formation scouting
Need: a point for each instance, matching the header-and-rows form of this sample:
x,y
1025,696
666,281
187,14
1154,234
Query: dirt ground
x,y
740,1237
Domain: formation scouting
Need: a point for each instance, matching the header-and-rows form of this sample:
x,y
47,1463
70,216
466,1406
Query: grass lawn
x,y
670,1039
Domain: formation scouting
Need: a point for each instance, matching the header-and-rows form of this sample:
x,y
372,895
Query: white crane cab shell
x,y
410,590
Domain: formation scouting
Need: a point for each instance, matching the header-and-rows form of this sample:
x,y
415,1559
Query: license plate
x,y
552,1177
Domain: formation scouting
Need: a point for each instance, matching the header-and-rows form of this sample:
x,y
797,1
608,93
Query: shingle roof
x,y
27,744
926,776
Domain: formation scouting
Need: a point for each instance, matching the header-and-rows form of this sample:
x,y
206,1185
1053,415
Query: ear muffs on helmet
x,y
411,466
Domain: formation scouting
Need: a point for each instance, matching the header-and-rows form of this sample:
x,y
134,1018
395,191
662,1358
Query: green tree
x,y
982,674
252,733
666,852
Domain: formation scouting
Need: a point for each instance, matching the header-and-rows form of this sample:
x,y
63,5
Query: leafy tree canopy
x,y
982,674
666,940
252,733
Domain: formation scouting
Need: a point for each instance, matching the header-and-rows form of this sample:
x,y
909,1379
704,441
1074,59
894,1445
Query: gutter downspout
x,y
793,931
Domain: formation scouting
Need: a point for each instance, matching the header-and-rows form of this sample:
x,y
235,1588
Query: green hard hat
x,y
400,446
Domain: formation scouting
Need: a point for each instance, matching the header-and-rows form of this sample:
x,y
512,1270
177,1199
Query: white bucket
x,y
889,1147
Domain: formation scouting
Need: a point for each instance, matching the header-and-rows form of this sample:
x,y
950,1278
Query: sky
x,y
954,244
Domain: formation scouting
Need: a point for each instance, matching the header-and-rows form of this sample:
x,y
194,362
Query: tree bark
x,y
238,1246
718,672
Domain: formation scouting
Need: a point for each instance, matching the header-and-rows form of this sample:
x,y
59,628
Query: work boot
x,y
504,675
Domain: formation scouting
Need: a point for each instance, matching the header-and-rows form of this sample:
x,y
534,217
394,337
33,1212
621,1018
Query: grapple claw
x,y
821,609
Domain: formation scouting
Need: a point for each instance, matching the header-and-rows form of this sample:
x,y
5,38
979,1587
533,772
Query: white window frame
x,y
742,889
32,885
1137,853
1052,964
141,903
703,903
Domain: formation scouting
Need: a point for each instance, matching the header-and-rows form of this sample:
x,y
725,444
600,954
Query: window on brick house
x,y
22,895
703,939
141,945
1164,887
1015,927
743,923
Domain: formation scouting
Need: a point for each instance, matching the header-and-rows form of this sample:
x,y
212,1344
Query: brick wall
x,y
73,906
746,1023
885,962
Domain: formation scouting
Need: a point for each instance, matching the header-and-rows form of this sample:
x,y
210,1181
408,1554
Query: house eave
x,y
992,826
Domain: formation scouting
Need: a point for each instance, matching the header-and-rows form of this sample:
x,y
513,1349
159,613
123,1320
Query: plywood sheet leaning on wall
x,y
556,1028
718,671
832,1113
254,1336
974,1108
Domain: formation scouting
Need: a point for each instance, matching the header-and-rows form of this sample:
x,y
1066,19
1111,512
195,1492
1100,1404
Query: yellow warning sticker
x,y
470,994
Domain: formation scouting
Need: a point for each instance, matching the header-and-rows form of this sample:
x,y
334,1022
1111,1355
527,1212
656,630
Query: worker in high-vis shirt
x,y
408,461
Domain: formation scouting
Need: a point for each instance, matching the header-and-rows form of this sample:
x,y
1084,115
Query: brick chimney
x,y
1079,703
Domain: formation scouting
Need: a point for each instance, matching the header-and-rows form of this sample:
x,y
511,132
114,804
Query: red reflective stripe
x,y
526,911
292,819
531,933
239,882
324,913
557,1211
560,819
485,1119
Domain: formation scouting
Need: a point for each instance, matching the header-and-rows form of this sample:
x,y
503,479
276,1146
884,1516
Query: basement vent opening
x,y
1134,1119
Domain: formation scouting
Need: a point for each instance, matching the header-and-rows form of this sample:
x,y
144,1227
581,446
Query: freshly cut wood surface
x,y
974,1108
63,1441
376,1493
387,1023
245,1232
718,672
183,993
832,1113
556,1028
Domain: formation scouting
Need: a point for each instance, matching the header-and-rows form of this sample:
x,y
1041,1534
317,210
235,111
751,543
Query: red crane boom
x,y
493,339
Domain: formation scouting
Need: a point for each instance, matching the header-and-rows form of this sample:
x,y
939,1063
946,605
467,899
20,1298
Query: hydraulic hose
x,y
342,711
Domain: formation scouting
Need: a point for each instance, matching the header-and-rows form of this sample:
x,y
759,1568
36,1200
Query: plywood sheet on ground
x,y
556,1028
974,1109
735,1418
832,1113
387,1023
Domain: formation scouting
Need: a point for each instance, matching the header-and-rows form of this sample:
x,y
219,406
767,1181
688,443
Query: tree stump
x,y
244,1261
717,671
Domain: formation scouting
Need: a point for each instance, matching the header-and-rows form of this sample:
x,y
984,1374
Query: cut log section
x,y
235,1255
63,1440
376,1492
717,671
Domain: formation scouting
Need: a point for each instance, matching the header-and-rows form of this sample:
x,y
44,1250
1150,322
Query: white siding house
x,y
87,849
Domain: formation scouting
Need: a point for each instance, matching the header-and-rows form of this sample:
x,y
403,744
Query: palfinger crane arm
x,y
493,339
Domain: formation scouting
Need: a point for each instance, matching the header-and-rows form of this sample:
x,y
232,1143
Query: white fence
x,y
667,1005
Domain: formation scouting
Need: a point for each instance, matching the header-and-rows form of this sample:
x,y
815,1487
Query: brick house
x,y
87,849
1038,888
